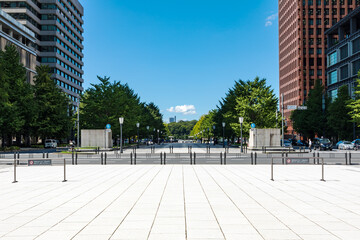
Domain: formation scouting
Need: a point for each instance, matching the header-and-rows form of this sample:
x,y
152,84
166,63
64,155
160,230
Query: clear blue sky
x,y
181,52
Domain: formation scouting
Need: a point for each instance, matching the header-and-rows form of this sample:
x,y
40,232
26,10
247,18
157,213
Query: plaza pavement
x,y
180,202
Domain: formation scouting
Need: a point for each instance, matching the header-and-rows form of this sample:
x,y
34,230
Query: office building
x,y
302,44
13,32
172,120
343,54
58,27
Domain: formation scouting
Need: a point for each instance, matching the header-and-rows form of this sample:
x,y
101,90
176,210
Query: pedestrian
x,y
310,143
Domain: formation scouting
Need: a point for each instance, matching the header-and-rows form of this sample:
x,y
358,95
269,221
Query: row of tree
x,y
40,110
105,102
181,129
334,118
255,101
43,111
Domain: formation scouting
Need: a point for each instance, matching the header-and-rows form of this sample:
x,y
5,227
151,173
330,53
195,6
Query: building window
x,y
319,62
333,77
355,67
319,72
332,58
311,51
311,72
344,52
319,51
311,21
344,72
333,94
356,45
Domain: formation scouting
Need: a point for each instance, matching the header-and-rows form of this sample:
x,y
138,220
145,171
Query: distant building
x,y
13,32
343,54
172,120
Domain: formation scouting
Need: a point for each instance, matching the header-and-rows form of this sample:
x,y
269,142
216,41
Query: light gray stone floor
x,y
180,202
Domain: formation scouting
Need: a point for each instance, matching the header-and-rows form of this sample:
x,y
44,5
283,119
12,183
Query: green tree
x,y
181,129
312,121
252,100
53,108
355,104
339,119
17,96
105,102
204,127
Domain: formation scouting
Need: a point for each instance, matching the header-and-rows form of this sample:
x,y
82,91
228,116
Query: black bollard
x,y
350,158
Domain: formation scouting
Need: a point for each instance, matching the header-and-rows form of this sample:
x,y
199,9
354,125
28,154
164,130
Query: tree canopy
x,y
105,102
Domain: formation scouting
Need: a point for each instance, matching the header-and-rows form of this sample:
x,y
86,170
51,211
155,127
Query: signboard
x,y
253,125
291,107
108,126
297,161
46,162
302,108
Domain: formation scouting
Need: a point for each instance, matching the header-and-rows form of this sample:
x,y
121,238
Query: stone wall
x,y
96,138
264,138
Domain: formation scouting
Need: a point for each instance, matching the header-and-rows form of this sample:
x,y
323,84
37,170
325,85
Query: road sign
x,y
291,107
108,126
298,161
39,162
253,125
302,108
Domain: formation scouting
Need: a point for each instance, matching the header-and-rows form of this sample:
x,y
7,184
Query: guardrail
x,y
223,157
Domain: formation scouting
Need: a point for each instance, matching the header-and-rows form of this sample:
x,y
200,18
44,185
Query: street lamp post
x,y
121,121
241,120
148,127
158,140
208,135
223,125
138,126
214,134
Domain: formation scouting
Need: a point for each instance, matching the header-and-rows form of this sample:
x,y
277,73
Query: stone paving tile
x,y
181,202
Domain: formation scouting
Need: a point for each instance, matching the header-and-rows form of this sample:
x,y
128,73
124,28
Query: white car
x,y
346,145
50,143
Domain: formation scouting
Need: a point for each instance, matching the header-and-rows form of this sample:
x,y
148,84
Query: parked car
x,y
50,143
301,143
346,145
287,143
322,144
356,144
337,144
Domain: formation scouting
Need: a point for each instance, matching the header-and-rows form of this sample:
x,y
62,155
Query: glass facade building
x,y
58,27
343,53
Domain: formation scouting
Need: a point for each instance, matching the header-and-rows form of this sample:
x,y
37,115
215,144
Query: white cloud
x,y
184,109
270,19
